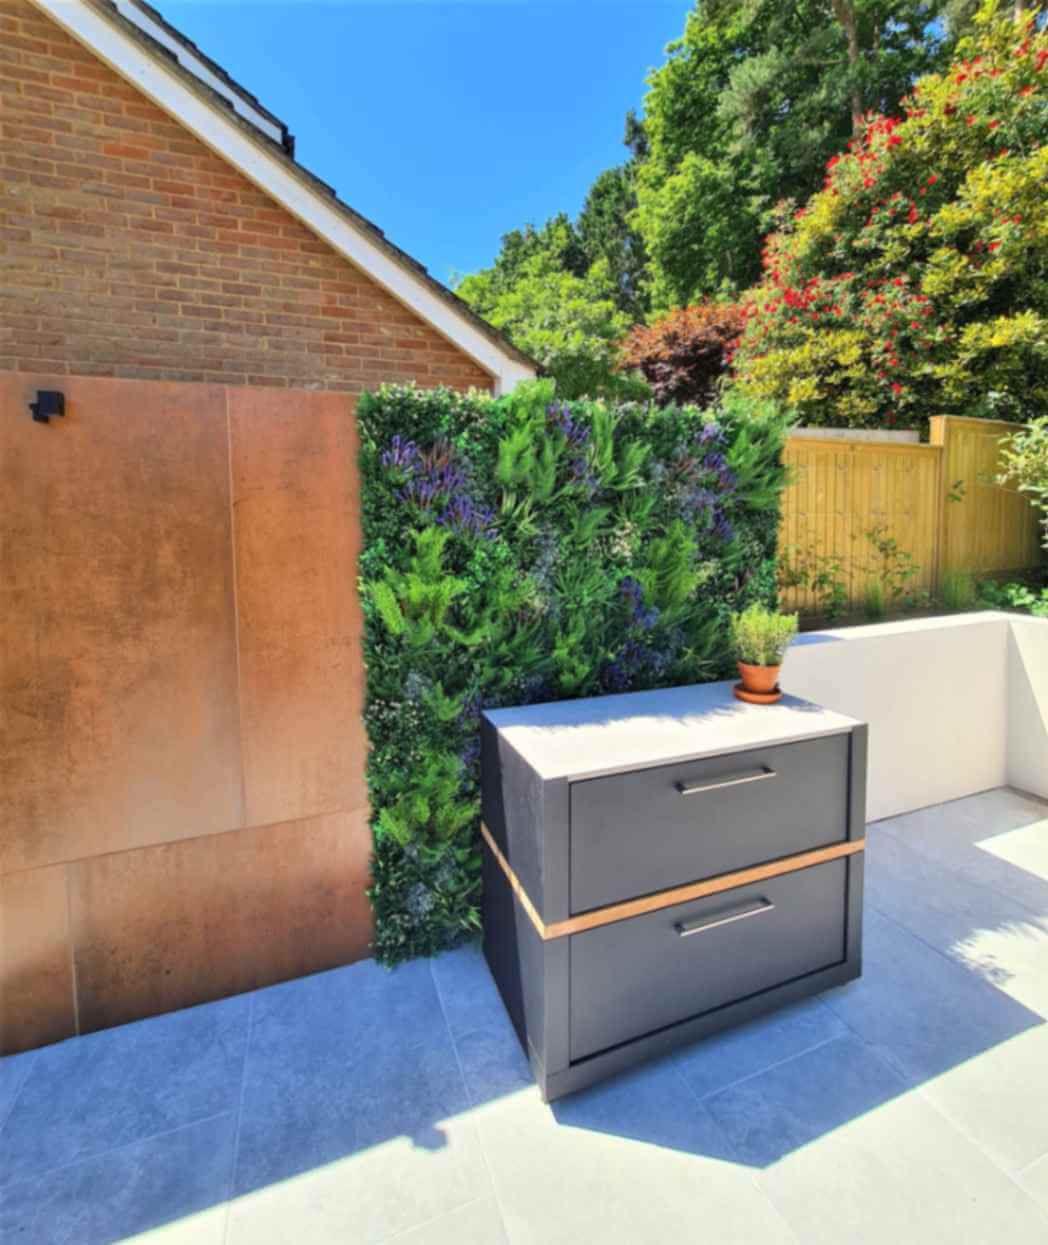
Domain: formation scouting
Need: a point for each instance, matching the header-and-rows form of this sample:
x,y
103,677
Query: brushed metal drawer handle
x,y
712,784
686,928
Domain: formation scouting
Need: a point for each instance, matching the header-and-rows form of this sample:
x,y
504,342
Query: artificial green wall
x,y
522,549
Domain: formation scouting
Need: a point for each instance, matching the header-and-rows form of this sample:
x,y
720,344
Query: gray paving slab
x,y
479,1223
847,1153
104,1090
1035,1181
987,932
997,838
490,1055
740,1053
634,1159
13,1072
354,1120
176,1181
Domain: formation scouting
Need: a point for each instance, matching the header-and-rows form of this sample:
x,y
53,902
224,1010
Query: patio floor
x,y
367,1106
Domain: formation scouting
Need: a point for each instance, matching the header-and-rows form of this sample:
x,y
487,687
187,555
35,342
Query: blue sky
x,y
446,123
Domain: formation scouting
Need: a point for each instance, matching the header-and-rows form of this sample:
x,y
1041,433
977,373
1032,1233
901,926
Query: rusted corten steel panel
x,y
147,532
36,973
169,926
118,672
297,534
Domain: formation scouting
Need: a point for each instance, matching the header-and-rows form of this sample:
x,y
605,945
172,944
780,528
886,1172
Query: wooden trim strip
x,y
666,899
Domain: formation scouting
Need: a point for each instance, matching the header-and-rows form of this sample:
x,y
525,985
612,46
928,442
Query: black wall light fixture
x,y
48,402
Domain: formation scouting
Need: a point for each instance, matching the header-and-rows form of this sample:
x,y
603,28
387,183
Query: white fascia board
x,y
132,62
141,19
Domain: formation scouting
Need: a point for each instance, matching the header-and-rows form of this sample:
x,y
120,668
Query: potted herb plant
x,y
761,638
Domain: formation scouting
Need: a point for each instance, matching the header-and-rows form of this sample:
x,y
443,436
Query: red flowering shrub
x,y
684,355
916,281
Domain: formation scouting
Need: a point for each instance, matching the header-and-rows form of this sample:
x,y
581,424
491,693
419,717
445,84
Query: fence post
x,y
938,435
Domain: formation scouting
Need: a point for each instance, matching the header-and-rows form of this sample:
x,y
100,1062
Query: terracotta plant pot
x,y
760,684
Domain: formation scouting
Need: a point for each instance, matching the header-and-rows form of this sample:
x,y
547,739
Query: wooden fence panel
x,y
840,491
986,529
937,500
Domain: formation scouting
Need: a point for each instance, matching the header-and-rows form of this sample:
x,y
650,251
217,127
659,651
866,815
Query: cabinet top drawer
x,y
576,739
637,833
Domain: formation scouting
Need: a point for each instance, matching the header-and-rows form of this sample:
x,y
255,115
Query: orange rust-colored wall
x,y
128,248
182,757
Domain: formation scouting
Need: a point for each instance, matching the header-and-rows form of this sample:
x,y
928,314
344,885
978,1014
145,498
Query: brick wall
x,y
127,248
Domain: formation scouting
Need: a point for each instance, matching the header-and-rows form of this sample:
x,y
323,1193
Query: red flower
x,y
914,214
994,246
971,120
933,179
896,387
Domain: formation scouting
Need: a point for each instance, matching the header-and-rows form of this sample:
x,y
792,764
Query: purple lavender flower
x,y
470,752
722,528
463,514
710,435
697,501
439,486
402,455
583,475
643,616
574,433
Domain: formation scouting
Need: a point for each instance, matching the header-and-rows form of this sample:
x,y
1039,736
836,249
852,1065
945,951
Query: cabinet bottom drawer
x,y
636,976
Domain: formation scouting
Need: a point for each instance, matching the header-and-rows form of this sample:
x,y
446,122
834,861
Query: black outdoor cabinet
x,y
661,865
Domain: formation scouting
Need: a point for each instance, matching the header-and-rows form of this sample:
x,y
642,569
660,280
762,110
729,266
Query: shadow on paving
x,y
358,1091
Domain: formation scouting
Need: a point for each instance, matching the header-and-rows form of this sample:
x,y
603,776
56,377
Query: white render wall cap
x,y
600,735
903,626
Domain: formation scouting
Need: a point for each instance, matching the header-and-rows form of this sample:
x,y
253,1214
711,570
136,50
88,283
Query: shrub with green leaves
x,y
761,635
524,549
1024,466
1026,598
913,283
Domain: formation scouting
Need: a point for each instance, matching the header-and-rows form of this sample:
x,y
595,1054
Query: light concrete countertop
x,y
600,735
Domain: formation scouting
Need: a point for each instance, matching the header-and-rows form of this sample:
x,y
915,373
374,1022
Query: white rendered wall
x,y
936,695
1028,705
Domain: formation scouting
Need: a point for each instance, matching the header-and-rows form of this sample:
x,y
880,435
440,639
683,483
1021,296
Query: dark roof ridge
x,y
247,97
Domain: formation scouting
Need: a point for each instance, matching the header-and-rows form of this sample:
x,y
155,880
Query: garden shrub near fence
x,y
521,549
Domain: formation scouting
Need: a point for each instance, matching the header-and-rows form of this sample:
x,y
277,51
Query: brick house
x,y
181,754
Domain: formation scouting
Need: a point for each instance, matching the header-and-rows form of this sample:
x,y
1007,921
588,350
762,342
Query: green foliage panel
x,y
519,550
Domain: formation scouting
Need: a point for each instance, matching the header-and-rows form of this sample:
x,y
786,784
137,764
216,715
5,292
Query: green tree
x,y
605,232
916,281
570,324
751,102
556,243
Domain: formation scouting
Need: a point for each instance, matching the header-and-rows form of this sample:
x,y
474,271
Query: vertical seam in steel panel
x,y
66,869
236,603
